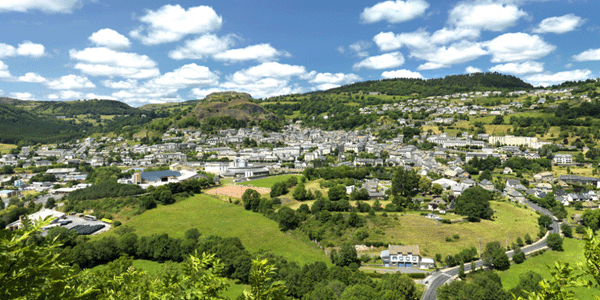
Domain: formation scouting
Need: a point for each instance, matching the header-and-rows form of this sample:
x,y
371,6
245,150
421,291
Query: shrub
x,y
567,230
446,221
116,224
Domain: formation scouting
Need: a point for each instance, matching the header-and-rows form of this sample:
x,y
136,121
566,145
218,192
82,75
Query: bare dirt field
x,y
236,191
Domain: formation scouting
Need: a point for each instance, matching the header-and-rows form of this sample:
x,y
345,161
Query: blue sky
x,y
156,51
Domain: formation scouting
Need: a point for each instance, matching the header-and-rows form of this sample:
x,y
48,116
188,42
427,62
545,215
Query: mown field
x,y
5,148
268,182
573,254
214,217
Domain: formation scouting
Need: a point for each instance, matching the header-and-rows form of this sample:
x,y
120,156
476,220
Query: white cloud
x,y
199,93
120,85
95,96
264,87
559,25
70,82
22,96
47,6
485,15
325,81
388,41
401,74
52,97
268,69
110,39
4,73
341,49
527,67
205,45
471,70
360,47
431,66
447,35
518,47
384,61
186,76
101,61
26,48
560,77
31,77
260,52
589,55
171,23
394,11
67,95
446,56
7,50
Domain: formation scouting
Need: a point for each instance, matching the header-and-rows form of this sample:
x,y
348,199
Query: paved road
x,y
439,278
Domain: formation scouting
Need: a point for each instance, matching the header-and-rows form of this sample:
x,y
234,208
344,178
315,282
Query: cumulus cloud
x,y
95,96
47,6
560,77
260,52
199,93
101,61
401,74
384,61
171,23
589,55
266,70
202,46
4,73
120,85
559,25
518,47
26,48
394,11
31,77
186,76
527,67
485,15
22,96
70,82
471,70
448,35
388,41
268,79
325,81
446,56
110,39
360,47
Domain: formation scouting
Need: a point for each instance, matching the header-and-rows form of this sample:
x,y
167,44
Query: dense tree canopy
x,y
474,203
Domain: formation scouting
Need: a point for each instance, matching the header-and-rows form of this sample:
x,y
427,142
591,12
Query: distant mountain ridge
x,y
439,86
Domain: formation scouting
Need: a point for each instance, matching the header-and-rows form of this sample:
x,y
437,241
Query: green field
x,y
510,222
268,182
213,217
5,148
573,254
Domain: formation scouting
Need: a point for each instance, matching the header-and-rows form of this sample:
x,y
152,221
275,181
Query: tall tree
x,y
474,203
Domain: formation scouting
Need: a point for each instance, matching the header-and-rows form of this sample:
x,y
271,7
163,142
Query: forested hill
x,y
439,86
94,107
19,125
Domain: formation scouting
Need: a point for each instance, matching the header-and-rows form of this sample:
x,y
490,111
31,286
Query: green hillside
x,y
74,108
18,125
214,217
438,86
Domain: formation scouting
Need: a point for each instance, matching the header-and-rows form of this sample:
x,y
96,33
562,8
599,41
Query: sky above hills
x,y
155,51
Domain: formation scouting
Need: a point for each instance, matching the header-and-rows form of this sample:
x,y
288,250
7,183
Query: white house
x,y
405,257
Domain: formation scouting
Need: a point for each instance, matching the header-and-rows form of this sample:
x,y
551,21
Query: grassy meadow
x,y
573,254
269,181
5,148
214,217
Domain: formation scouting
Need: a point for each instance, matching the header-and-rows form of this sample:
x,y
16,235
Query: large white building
x,y
563,159
511,140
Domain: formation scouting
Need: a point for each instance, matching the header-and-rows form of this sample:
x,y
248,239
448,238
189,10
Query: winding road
x,y
439,278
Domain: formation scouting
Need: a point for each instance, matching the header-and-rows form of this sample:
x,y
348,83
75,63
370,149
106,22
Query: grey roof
x,y
156,175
